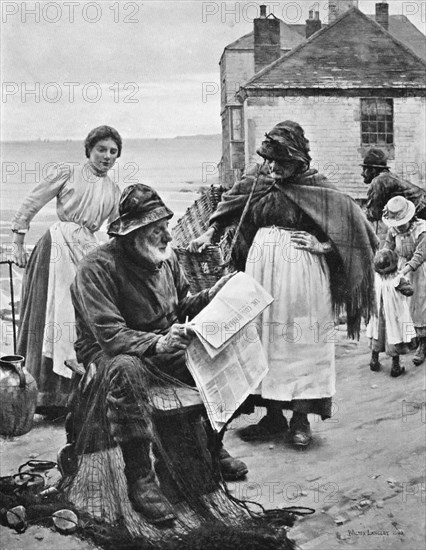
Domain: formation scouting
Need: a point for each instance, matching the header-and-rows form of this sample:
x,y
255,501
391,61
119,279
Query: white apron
x,y
297,330
396,311
70,243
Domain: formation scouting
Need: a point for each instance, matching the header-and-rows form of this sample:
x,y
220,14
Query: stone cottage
x,y
351,84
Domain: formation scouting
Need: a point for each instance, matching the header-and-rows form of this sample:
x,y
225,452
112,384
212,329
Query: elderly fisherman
x,y
130,296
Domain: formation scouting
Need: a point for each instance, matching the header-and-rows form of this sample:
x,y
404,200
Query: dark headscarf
x,y
285,143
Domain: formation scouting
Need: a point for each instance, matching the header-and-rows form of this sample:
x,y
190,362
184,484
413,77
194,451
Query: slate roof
x,y
301,29
289,37
402,29
245,42
399,26
353,52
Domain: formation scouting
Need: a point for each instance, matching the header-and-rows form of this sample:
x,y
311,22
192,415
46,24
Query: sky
x,y
148,68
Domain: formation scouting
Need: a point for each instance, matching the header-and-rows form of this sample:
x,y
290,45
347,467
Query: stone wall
x,y
332,124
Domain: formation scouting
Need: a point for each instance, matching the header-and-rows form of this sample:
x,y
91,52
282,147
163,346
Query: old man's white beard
x,y
155,256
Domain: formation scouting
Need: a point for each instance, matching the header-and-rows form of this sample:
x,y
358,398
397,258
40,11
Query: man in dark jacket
x,y
384,185
131,298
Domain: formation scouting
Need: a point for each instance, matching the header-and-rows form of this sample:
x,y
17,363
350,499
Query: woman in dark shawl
x,y
311,247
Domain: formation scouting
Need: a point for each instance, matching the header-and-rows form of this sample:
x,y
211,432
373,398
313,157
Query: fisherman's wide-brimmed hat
x,y
139,205
285,142
398,211
375,158
385,261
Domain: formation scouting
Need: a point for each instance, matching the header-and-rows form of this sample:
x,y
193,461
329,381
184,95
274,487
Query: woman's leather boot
x,y
375,364
420,354
396,370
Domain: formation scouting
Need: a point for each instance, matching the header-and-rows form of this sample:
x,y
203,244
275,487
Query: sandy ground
x,y
364,473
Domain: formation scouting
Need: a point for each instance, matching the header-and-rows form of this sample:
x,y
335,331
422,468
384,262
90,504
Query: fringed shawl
x,y
338,217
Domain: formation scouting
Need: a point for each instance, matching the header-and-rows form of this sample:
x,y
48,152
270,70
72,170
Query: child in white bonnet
x,y
391,329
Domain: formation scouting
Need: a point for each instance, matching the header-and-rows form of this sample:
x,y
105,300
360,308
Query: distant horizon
x,y
47,139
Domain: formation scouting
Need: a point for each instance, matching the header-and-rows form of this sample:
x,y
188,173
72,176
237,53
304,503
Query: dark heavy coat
x,y
385,186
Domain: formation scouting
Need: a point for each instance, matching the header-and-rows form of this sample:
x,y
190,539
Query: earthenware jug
x,y
18,396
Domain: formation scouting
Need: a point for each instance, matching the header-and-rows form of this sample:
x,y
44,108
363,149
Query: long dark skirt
x,y
53,389
322,407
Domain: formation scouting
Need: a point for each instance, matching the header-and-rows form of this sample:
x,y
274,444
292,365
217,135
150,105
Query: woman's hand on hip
x,y
305,241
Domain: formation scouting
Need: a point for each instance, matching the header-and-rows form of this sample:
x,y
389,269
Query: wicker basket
x,y
203,269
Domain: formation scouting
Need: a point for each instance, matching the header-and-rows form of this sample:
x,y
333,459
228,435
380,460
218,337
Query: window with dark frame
x,y
236,114
377,122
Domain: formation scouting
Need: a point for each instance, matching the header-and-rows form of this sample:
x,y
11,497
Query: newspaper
x,y
236,305
227,359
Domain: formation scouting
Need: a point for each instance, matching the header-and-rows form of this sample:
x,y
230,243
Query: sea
x,y
178,168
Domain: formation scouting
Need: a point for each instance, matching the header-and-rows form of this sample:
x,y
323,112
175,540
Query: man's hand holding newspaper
x,y
227,359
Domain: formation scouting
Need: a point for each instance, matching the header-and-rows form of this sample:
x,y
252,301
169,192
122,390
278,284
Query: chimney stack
x,y
313,24
267,40
382,14
337,7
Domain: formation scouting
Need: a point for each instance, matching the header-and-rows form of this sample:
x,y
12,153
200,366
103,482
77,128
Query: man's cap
x,y
375,158
398,211
139,205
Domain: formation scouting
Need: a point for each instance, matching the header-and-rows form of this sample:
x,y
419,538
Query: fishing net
x,y
184,452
